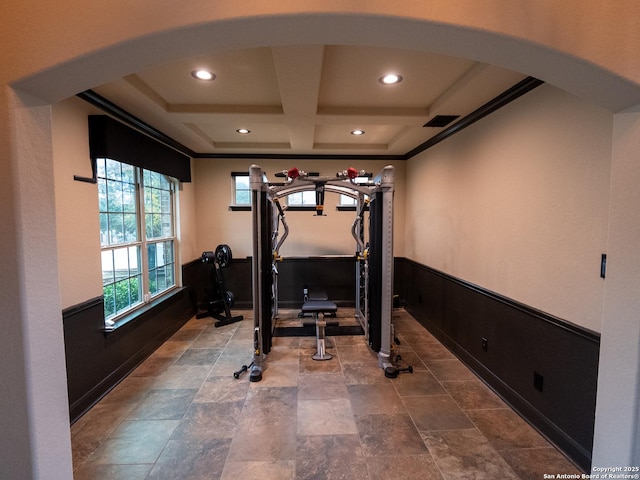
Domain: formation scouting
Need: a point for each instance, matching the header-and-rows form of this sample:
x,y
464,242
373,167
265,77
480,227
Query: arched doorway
x,y
72,68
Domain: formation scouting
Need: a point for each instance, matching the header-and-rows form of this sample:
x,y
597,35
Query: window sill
x,y
142,309
340,208
349,208
306,208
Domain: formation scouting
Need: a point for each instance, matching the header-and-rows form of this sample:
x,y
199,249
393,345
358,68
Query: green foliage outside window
x,y
121,295
137,257
242,190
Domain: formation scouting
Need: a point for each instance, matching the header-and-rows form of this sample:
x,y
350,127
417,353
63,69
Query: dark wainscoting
x,y
335,275
98,361
544,367
237,278
522,343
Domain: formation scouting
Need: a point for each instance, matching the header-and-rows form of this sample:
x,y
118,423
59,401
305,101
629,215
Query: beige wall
x,y
36,438
77,221
53,56
308,233
518,204
616,439
188,220
203,208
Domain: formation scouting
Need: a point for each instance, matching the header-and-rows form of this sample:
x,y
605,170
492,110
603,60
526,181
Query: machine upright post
x,y
387,179
257,187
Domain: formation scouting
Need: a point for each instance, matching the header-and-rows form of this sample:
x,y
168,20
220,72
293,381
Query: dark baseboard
x,y
523,344
335,275
98,361
83,404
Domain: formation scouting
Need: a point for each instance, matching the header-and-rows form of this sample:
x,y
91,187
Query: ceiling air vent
x,y
440,121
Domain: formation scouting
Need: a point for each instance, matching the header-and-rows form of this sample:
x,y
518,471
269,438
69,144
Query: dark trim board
x,y
506,97
237,279
97,361
109,138
128,119
335,275
522,342
491,106
544,367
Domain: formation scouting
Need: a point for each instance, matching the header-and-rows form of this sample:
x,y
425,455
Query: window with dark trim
x,y
137,236
137,178
299,200
347,202
304,201
240,191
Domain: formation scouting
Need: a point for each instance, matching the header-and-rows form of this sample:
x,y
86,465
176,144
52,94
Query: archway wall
x,y
37,443
56,50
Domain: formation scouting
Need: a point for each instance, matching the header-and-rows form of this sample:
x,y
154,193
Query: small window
x,y
302,199
240,189
346,200
305,200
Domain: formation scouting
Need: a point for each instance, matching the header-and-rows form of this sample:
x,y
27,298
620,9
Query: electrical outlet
x,y
538,381
485,344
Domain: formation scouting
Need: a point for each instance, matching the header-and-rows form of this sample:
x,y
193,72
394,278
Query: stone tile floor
x,y
182,415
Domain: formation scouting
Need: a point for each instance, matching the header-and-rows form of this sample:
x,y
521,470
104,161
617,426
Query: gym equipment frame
x,y
374,259
219,298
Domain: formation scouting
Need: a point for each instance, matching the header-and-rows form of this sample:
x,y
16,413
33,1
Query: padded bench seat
x,y
316,307
319,306
316,296
326,307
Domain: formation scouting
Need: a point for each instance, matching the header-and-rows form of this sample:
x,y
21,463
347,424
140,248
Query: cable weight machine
x,y
374,259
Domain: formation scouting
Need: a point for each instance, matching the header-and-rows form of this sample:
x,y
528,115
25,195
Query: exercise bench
x,y
318,309
313,296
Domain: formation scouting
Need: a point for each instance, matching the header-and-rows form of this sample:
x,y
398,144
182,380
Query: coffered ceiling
x,y
306,100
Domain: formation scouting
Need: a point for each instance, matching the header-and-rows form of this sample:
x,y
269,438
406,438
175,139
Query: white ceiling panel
x,y
306,99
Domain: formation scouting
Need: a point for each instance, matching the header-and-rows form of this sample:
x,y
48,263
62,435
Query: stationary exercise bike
x,y
219,298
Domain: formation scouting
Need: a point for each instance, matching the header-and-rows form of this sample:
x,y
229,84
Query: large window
x,y
137,236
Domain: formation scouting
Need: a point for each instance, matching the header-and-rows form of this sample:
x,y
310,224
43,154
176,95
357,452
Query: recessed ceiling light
x,y
357,132
390,79
244,131
203,74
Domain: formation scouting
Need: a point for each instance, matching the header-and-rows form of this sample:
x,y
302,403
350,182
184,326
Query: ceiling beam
x,y
299,73
494,104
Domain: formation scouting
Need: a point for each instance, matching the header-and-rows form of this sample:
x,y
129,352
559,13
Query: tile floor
x,y
182,415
